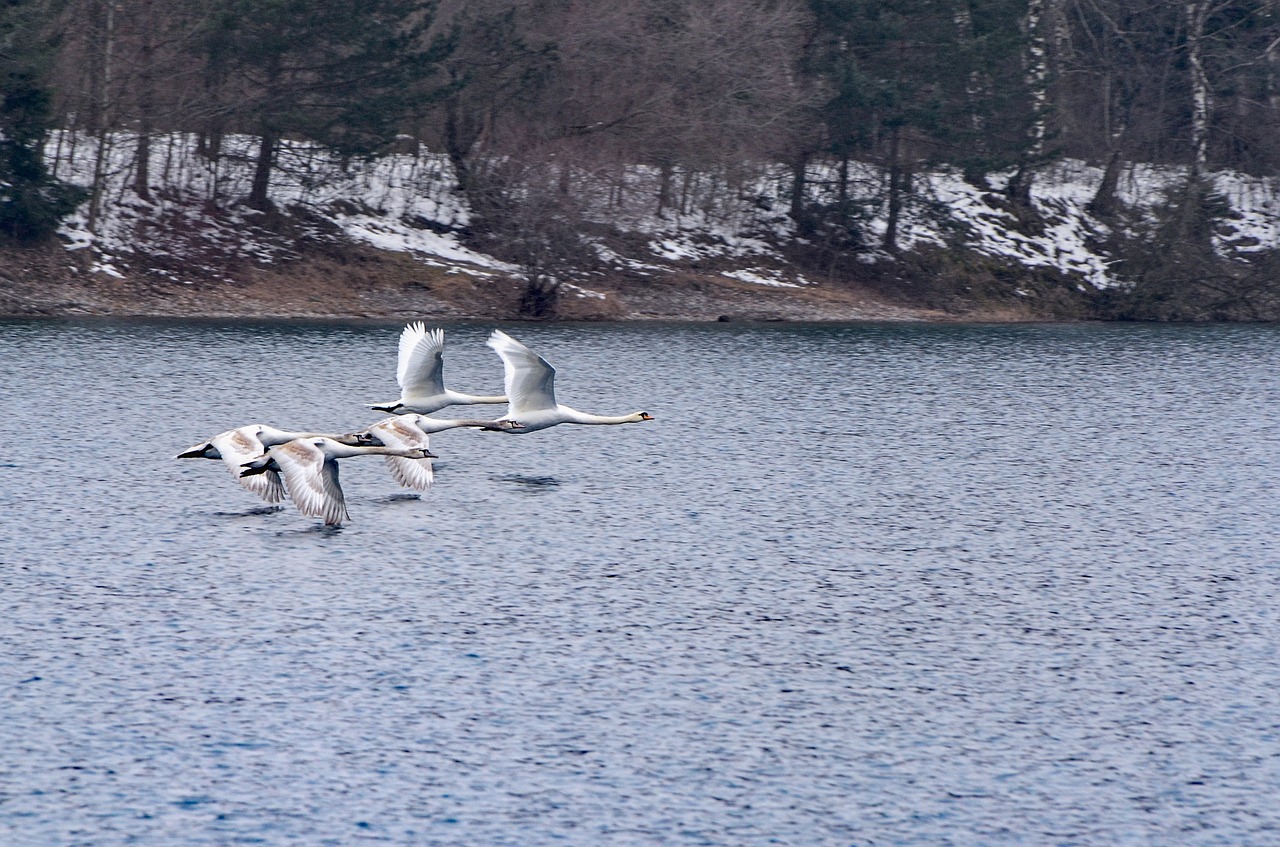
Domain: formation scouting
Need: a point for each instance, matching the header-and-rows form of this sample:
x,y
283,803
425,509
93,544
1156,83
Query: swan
x,y
310,469
242,444
413,430
420,372
530,384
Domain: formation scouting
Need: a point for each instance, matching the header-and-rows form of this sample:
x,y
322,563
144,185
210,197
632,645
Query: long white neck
x,y
574,416
336,450
270,436
429,425
462,399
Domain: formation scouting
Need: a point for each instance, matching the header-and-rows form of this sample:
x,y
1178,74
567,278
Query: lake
x,y
855,585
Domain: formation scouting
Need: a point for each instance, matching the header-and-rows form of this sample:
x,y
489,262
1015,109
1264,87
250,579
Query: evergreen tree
x,y
31,202
924,82
340,73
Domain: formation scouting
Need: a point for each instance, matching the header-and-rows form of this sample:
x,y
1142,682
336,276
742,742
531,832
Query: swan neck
x,y
460,398
583,418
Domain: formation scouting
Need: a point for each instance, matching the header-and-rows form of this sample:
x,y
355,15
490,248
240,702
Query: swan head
x,y
420,453
643,416
359,439
505,426
201,451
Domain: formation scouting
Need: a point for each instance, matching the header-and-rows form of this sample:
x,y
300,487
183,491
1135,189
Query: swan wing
x,y
402,432
238,446
312,479
528,378
420,367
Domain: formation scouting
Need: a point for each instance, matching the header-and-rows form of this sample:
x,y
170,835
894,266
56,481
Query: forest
x,y
547,109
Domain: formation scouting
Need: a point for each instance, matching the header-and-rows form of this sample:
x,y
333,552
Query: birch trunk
x,y
1197,12
1037,76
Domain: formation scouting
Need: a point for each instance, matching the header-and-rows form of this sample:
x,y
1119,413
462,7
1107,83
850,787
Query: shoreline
x,y
369,284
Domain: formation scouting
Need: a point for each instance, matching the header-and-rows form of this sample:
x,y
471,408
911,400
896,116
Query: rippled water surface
x,y
855,585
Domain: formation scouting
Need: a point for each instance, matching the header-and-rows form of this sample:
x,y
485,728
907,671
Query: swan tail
x,y
200,451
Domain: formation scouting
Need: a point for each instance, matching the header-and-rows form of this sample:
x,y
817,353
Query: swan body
x,y
244,444
414,430
420,372
529,380
310,470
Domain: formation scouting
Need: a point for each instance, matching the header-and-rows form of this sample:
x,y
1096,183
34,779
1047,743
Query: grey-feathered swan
x,y
310,470
413,430
246,443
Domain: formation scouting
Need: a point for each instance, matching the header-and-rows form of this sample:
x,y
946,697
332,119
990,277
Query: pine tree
x,y
340,73
31,202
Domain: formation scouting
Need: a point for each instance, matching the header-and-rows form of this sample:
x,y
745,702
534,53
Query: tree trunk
x,y
1037,77
1104,202
262,171
101,103
146,105
799,185
1037,80
896,180
664,187
1197,12
455,148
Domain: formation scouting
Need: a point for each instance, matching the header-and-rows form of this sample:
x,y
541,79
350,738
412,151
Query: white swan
x,y
420,372
409,431
310,469
243,444
530,386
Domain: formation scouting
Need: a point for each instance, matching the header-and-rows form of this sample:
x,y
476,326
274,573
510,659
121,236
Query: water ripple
x,y
855,585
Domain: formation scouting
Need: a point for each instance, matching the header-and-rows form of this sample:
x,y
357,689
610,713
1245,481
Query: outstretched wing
x,y
238,446
420,368
312,480
401,432
529,379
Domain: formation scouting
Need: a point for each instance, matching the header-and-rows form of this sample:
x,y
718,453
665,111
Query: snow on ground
x,y
407,202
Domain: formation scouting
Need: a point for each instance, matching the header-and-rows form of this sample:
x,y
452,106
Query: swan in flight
x,y
420,372
530,384
310,470
244,444
409,431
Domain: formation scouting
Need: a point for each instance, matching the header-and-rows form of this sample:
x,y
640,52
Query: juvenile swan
x,y
310,469
420,372
243,444
530,385
409,431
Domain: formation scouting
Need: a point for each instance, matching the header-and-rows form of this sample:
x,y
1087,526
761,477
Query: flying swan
x,y
420,372
409,431
310,470
530,384
244,444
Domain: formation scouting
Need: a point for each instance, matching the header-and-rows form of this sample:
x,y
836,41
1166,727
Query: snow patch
x,y
406,202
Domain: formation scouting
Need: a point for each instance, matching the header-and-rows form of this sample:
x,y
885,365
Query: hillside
x,y
390,238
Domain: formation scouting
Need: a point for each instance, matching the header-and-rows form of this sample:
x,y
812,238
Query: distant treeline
x,y
525,96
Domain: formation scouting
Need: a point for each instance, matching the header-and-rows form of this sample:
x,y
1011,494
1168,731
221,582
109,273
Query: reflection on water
x,y
855,585
530,481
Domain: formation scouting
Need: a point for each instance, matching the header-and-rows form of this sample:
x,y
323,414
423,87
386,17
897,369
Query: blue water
x,y
855,585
